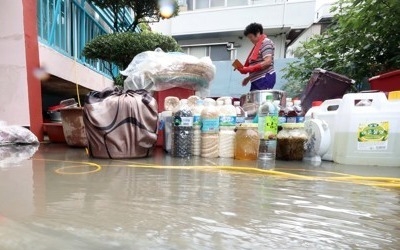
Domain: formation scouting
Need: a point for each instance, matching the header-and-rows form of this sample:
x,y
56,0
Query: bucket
x,y
367,135
73,127
386,82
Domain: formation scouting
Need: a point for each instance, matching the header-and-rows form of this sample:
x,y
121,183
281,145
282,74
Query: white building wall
x,y
68,69
14,102
243,45
294,14
307,34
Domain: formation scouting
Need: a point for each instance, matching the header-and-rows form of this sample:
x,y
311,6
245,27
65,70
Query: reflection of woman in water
x,y
260,62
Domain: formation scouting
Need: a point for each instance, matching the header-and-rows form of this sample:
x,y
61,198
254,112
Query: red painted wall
x,y
32,62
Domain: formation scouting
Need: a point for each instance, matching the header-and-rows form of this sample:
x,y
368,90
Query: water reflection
x,y
123,207
16,153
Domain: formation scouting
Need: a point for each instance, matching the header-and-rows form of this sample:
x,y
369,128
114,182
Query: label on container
x,y
183,121
240,119
373,136
281,120
291,119
210,125
299,119
268,127
227,121
196,120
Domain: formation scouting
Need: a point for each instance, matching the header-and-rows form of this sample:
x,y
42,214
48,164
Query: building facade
x,y
41,60
215,29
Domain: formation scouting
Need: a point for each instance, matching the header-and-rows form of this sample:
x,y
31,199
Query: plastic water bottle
x,y
196,143
209,131
268,129
182,131
227,125
240,113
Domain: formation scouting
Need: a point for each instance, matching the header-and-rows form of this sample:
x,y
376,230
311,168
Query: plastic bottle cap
x,y
236,103
394,95
316,103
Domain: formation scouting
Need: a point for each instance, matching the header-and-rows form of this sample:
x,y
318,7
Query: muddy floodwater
x,y
59,198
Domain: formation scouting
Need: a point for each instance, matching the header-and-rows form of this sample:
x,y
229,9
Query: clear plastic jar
x,y
291,142
247,142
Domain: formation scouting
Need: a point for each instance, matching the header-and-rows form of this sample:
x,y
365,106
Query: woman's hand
x,y
245,81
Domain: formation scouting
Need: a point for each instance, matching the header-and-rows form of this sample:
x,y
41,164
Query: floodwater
x,y
61,199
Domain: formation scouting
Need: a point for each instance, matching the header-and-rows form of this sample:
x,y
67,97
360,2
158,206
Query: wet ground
x,y
61,199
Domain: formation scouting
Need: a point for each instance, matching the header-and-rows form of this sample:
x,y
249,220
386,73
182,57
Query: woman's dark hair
x,y
253,28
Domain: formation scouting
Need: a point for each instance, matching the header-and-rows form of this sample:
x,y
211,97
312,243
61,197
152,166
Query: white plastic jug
x,y
367,135
326,112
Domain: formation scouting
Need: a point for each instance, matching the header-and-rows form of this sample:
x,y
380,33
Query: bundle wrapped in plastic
x,y
16,135
157,71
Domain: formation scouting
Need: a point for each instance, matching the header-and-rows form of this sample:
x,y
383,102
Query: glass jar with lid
x,y
291,142
247,141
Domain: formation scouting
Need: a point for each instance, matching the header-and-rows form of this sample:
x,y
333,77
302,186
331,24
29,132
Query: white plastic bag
x,y
16,135
157,71
16,153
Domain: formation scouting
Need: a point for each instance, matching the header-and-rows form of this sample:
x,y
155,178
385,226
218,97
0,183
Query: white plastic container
x,y
327,112
227,123
196,144
209,131
367,135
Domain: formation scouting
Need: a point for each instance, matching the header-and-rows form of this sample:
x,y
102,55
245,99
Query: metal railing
x,y
67,25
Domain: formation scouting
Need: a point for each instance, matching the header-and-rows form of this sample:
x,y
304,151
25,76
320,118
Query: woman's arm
x,y
266,63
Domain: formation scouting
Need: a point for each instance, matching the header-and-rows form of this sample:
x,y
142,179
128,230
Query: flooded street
x,y
56,200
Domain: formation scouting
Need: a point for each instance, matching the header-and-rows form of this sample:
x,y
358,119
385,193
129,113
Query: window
x,y
198,51
206,4
217,3
219,53
237,3
215,52
202,4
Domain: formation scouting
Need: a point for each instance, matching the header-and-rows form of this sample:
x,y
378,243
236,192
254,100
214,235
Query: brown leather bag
x,y
120,123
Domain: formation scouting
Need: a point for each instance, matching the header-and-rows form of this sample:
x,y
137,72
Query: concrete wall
x,y
295,14
229,83
14,102
66,68
244,45
315,29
